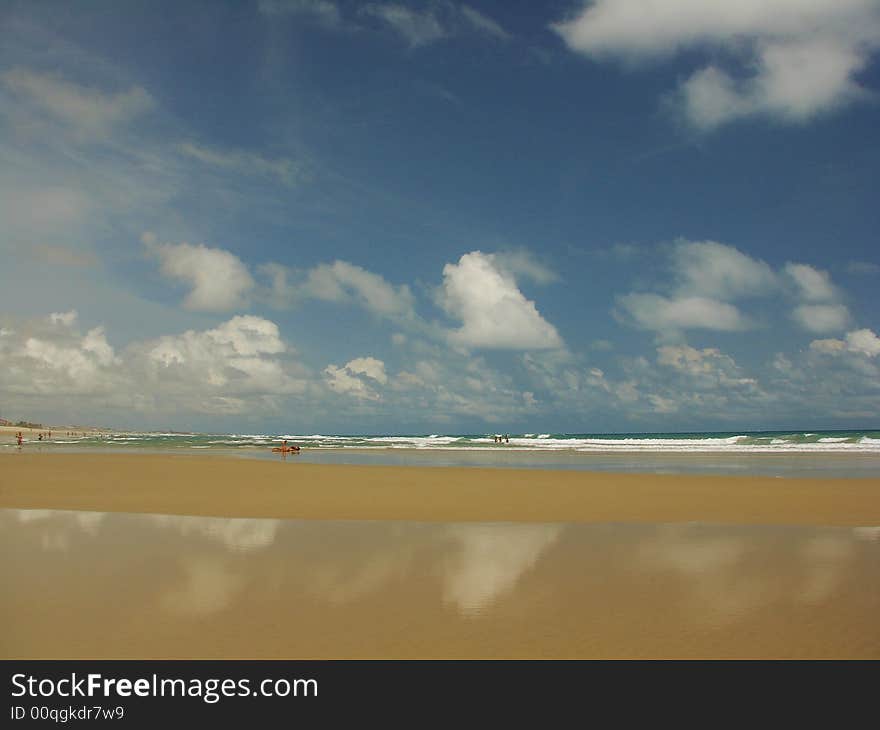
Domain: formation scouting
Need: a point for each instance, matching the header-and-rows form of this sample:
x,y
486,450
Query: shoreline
x,y
229,487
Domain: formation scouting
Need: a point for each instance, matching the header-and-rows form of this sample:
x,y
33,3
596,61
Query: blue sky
x,y
317,215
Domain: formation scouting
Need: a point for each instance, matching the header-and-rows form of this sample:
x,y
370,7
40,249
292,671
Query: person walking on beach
x,y
19,438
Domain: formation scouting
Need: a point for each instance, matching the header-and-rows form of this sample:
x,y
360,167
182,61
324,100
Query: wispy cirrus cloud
x,y
90,111
324,12
434,21
283,169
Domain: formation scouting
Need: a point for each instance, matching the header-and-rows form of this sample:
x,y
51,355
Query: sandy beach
x,y
7,433
166,556
103,585
225,487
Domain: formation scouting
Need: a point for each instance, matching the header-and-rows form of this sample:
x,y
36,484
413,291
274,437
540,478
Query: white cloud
x,y
796,80
342,281
347,379
57,360
369,366
233,359
821,317
709,365
655,312
493,310
828,347
819,310
863,342
813,285
706,275
219,279
803,55
67,319
89,111
718,271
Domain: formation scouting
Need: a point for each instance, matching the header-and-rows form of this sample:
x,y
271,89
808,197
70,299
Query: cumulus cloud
x,y
790,60
237,367
821,317
342,282
709,364
813,285
219,279
819,312
705,277
494,312
56,359
233,359
795,81
350,378
369,366
91,112
655,312
862,342
66,319
719,271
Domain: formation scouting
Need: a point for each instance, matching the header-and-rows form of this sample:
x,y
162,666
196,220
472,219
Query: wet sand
x,y
216,486
99,585
156,556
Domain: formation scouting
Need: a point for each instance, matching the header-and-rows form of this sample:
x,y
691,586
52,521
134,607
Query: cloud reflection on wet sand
x,y
96,584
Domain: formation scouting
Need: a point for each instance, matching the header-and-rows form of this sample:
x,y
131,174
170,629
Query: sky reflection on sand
x,y
123,585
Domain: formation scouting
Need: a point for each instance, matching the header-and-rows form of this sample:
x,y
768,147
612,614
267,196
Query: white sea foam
x,y
695,443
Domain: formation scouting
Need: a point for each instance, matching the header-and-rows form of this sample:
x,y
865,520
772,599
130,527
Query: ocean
x,y
782,453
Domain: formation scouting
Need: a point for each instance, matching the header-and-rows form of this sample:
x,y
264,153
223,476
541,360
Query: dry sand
x,y
228,487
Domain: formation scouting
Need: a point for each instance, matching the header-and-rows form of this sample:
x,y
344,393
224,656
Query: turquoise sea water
x,y
782,453
733,441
